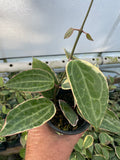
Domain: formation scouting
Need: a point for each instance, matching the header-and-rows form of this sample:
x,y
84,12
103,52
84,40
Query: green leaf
x,y
69,113
19,97
112,155
111,122
22,152
65,85
49,94
83,151
27,95
107,147
88,153
73,156
94,135
35,80
39,64
91,149
79,145
98,157
88,36
117,151
4,92
117,140
88,141
1,82
68,33
68,55
2,139
98,148
112,87
23,139
105,153
111,79
4,109
115,158
1,123
90,90
105,138
79,156
27,115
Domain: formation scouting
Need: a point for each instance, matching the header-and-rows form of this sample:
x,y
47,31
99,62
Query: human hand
x,y
44,144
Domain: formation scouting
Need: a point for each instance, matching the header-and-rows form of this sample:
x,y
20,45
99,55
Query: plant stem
x,y
75,29
64,73
81,30
78,36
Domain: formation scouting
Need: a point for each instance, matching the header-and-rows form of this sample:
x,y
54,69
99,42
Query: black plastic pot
x,y
80,129
14,142
3,146
82,125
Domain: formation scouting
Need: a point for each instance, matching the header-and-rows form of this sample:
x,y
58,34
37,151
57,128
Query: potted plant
x,y
86,84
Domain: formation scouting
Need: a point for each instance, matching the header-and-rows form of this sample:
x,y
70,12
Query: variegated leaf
x,y
68,33
27,115
105,139
79,145
117,151
111,122
65,85
98,148
88,36
88,141
98,157
69,113
39,64
105,153
90,90
35,80
79,156
68,55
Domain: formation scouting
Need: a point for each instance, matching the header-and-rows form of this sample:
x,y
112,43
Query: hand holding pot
x,y
44,144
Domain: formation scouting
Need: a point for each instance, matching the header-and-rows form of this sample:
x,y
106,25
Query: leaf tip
x,y
88,36
68,33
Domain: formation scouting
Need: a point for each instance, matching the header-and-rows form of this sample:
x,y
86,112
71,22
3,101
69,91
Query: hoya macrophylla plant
x,y
88,85
90,90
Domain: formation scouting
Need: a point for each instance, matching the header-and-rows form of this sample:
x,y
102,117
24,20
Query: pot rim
x,y
79,130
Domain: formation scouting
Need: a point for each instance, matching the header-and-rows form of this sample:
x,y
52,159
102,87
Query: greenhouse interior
x,y
60,68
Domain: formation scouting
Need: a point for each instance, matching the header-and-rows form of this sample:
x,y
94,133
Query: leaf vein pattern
x,y
32,82
39,74
112,124
86,88
26,109
28,117
77,90
32,87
